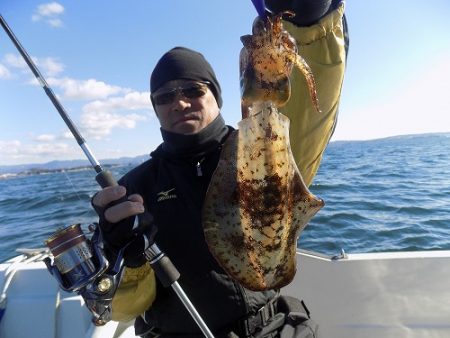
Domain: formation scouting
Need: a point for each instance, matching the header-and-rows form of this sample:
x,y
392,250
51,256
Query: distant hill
x,y
68,164
400,138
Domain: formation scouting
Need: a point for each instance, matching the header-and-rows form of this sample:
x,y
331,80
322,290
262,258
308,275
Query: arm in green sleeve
x,y
322,46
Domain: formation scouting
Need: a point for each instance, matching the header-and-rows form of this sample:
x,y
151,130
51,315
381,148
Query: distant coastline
x,y
65,165
61,166
42,171
397,137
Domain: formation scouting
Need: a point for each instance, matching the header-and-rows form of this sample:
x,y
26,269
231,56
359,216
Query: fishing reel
x,y
80,265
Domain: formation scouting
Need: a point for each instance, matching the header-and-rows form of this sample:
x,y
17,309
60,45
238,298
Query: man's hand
x,y
117,220
307,12
134,205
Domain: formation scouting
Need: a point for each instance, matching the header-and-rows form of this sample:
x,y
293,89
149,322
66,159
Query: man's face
x,y
185,106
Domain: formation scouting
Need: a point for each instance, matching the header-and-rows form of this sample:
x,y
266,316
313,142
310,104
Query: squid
x,y
257,203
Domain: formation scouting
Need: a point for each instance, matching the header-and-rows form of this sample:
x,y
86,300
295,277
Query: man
x,y
171,186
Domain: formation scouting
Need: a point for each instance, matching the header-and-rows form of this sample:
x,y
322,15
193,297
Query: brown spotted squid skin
x,y
257,203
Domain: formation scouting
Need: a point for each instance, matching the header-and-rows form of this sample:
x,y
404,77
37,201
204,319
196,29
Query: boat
x,y
367,295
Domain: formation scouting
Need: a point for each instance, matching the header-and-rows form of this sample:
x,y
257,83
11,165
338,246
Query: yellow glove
x,y
135,294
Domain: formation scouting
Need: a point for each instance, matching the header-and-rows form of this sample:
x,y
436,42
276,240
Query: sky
x,y
97,56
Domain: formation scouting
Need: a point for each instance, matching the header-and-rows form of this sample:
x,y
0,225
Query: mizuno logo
x,y
166,195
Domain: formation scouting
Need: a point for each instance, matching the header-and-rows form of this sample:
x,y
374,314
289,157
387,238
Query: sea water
x,y
382,195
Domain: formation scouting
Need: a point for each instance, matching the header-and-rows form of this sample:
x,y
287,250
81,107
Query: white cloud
x,y
55,22
85,89
18,152
67,135
9,147
50,9
15,60
49,12
45,138
131,101
4,72
48,66
99,124
51,66
99,118
52,150
90,89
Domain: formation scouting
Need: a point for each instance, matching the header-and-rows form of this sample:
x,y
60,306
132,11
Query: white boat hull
x,y
361,296
402,294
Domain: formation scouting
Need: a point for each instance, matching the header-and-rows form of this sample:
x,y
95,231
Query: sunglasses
x,y
190,91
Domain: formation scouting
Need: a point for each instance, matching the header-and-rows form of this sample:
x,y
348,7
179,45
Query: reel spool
x,y
76,262
72,257
80,265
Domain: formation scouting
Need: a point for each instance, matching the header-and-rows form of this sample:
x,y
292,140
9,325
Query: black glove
x,y
117,236
307,12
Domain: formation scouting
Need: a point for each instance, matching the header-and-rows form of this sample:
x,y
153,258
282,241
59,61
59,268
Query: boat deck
x,y
388,295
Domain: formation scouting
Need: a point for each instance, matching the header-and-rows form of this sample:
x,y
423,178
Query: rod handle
x,y
105,179
165,270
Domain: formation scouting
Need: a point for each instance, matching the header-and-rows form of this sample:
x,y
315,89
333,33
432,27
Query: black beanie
x,y
184,63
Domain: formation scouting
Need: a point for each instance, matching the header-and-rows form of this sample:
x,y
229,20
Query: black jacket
x,y
173,185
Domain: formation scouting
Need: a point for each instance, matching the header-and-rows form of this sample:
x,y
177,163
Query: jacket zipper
x,y
199,167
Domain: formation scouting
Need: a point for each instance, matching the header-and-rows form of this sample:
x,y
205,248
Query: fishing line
x,y
79,197
72,185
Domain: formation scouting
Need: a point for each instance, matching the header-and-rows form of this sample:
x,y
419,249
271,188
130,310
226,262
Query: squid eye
x,y
259,26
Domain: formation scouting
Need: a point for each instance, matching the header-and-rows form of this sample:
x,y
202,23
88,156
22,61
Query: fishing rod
x,y
73,257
